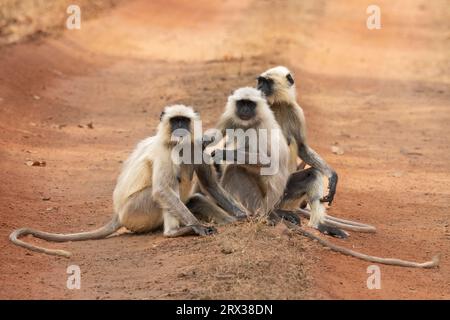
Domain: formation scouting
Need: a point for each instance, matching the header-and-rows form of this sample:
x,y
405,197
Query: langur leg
x,y
309,183
244,188
302,166
218,169
141,213
206,210
209,185
172,228
313,159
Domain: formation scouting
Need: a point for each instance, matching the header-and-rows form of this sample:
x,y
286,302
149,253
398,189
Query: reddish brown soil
x,y
382,95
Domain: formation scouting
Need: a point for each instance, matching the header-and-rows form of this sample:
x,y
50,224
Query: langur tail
x,y
99,233
389,261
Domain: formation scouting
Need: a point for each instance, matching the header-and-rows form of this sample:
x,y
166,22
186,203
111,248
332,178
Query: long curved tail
x,y
389,261
99,233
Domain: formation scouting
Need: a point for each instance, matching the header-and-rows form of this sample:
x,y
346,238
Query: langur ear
x,y
162,115
290,79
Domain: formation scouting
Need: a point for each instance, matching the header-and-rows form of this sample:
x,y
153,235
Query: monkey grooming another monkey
x,y
277,84
153,191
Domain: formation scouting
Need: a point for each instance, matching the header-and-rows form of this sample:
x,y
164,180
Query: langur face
x,y
268,85
265,85
180,126
245,109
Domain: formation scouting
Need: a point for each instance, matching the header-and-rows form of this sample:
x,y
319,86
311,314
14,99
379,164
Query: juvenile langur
x,y
257,184
154,191
277,84
278,87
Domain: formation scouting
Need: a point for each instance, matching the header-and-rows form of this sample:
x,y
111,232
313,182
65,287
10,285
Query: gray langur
x,y
278,86
153,191
258,185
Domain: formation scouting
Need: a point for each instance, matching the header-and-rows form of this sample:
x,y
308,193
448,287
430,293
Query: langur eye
x,y
290,79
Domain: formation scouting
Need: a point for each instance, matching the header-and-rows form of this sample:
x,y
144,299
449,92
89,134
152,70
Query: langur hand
x,y
207,140
332,184
218,155
240,212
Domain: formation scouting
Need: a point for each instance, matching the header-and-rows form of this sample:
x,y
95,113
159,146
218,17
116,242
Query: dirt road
x,y
81,101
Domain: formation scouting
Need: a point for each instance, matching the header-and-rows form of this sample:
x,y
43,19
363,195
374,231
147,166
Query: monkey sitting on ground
x,y
277,84
278,87
257,184
153,191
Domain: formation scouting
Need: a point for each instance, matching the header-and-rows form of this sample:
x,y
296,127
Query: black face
x,y
180,123
265,85
245,109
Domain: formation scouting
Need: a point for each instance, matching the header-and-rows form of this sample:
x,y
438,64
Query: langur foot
x,y
203,230
191,230
332,231
276,216
289,216
241,217
273,219
332,183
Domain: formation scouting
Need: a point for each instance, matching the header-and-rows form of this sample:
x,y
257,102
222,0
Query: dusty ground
x,y
23,20
383,96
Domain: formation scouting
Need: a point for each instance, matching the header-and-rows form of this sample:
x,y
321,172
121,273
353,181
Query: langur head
x,y
246,106
277,84
177,124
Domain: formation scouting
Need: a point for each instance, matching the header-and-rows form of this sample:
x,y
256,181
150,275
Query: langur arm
x,y
242,158
169,201
210,140
313,159
258,159
225,200
167,198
